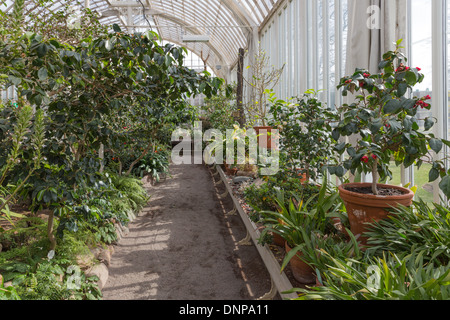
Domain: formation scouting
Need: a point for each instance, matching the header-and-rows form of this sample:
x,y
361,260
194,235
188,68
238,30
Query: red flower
x,y
365,159
422,104
361,84
418,69
348,81
374,157
427,97
366,75
402,68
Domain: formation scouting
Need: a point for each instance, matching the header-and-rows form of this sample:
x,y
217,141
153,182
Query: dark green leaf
x,y
402,87
43,74
14,80
392,106
444,185
116,28
436,145
433,175
429,123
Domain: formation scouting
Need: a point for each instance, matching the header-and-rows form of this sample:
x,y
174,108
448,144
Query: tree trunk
x,y
240,88
50,234
375,177
140,158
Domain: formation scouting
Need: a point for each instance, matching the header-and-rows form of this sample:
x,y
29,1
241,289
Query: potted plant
x,y
264,78
386,126
296,220
306,125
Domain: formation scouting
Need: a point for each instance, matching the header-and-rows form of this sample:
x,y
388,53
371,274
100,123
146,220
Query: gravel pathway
x,y
183,246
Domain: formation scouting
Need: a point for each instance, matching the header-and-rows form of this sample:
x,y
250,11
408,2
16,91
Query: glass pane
x,y
422,58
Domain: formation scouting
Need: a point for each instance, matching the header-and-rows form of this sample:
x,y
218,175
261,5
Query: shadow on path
x,y
183,246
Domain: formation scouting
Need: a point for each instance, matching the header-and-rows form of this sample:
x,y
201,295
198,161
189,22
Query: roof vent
x,y
195,38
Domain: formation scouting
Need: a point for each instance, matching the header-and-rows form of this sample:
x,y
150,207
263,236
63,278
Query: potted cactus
x,y
386,125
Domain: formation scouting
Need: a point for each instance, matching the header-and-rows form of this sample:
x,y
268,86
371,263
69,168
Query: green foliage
x,y
264,197
8,293
50,279
305,125
407,259
383,278
419,229
219,110
37,274
155,164
100,91
18,137
131,190
385,121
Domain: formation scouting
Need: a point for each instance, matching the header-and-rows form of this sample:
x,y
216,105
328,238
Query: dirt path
x,y
184,247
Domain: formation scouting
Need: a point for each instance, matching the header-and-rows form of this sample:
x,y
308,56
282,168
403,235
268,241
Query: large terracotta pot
x,y
263,135
301,271
367,208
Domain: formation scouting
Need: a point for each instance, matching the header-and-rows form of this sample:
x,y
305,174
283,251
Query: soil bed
x,y
278,252
381,191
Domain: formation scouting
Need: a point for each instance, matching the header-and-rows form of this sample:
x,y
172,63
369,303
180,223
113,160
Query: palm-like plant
x,y
299,220
382,278
420,228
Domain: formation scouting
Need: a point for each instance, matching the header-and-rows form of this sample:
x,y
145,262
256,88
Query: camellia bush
x,y
305,125
385,122
101,92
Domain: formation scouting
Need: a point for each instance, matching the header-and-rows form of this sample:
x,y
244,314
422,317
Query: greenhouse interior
x,y
222,150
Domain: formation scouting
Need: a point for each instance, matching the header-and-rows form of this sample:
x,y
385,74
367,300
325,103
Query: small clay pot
x,y
264,137
301,271
278,240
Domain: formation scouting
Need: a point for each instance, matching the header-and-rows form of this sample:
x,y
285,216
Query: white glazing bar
x,y
407,175
302,50
326,52
309,44
285,61
439,75
296,40
291,26
280,56
338,48
316,64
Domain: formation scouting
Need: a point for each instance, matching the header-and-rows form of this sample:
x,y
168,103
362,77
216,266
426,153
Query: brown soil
x,y
279,252
184,247
381,191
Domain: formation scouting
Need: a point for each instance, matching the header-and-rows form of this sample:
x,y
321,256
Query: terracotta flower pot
x,y
303,176
264,138
301,271
367,208
277,239
232,171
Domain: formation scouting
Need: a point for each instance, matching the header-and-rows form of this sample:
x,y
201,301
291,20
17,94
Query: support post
x,y
240,87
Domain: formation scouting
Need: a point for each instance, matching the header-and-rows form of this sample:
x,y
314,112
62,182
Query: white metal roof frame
x,y
229,24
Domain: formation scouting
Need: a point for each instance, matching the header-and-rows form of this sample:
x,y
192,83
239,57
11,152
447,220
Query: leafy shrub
x,y
264,197
155,163
381,278
420,229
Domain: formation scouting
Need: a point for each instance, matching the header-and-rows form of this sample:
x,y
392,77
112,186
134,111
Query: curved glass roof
x,y
228,24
